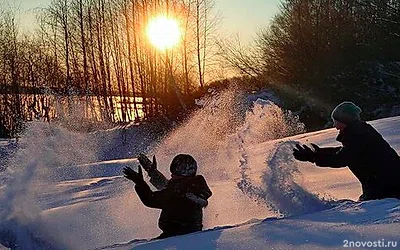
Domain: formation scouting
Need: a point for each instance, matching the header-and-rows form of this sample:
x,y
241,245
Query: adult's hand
x,y
304,153
315,147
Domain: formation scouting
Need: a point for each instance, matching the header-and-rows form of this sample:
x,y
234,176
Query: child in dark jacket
x,y
181,199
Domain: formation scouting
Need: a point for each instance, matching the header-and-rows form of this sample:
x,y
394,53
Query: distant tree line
x,y
96,51
316,53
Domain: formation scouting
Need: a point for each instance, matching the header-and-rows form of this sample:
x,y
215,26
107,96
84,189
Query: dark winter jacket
x,y
181,202
369,157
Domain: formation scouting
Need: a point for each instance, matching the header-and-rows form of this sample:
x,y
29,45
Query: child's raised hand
x,y
136,177
146,163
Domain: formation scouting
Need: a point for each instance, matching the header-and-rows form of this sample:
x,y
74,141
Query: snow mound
x,y
349,223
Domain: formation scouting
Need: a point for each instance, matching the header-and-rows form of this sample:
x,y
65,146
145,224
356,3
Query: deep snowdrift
x,y
64,190
372,224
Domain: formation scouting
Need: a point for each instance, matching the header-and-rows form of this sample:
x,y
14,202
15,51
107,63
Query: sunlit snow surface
x,y
65,190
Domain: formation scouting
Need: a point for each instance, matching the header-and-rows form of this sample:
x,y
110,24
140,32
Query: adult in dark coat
x,y
367,154
181,200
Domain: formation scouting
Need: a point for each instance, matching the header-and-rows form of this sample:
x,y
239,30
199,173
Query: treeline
x,y
316,53
98,51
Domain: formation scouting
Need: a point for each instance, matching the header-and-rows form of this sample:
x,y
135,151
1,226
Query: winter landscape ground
x,y
65,190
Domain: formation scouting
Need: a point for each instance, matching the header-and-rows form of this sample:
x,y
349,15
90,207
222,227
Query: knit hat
x,y
346,112
183,165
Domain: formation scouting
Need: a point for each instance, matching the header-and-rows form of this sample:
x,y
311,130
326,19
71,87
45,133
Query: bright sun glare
x,y
163,32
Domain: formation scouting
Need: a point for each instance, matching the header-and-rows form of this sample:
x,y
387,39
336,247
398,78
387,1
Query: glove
x,y
315,147
136,177
304,153
146,163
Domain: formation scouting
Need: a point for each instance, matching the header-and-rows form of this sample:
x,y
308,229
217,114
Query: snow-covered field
x,y
65,190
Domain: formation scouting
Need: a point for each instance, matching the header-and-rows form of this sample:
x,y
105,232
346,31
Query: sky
x,y
245,17
238,17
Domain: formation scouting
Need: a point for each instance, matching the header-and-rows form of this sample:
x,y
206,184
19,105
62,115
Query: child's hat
x,y
183,165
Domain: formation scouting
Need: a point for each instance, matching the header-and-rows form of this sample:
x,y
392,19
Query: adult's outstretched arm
x,y
335,157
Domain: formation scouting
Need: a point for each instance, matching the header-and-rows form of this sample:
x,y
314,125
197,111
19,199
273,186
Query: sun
x,y
164,32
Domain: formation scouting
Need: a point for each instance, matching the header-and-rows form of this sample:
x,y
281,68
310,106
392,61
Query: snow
x,y
327,229
65,190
